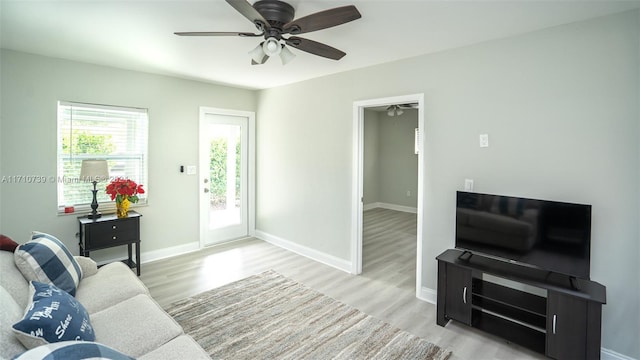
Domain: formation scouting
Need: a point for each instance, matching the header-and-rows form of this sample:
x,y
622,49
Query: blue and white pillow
x,y
66,350
46,259
52,316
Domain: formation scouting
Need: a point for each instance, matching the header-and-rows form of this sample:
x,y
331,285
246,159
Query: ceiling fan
x,y
398,109
274,19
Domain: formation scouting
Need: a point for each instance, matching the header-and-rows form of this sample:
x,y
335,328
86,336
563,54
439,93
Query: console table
x,y
110,231
564,324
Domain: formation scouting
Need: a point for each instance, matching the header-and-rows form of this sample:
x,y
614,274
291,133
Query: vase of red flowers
x,y
124,192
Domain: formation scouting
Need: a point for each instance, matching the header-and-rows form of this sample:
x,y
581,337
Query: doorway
x,y
358,183
226,175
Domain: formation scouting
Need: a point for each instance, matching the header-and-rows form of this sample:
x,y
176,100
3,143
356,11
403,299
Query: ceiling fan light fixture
x,y
272,46
286,55
399,112
257,54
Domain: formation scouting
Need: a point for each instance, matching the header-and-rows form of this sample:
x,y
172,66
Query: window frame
x,y
62,178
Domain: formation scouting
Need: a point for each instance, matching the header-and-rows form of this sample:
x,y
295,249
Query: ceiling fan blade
x,y
216,33
247,10
315,48
322,20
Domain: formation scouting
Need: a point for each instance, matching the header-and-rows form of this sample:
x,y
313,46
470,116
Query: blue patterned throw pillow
x,y
52,316
46,259
66,350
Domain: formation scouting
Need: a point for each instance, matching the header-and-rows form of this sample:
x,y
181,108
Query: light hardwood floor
x,y
385,289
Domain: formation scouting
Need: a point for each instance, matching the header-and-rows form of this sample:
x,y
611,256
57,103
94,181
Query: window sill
x,y
108,208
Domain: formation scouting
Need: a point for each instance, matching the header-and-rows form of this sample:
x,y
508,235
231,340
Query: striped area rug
x,y
268,316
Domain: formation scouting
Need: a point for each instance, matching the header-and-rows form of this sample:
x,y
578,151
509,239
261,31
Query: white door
x,y
224,176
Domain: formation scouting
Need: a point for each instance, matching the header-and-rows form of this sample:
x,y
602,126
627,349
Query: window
x,y
87,131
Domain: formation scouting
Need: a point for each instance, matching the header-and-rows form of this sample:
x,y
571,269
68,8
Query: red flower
x,y
120,189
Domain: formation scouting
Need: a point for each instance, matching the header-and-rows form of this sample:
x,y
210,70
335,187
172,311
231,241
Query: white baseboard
x,y
148,256
428,295
310,253
606,354
395,207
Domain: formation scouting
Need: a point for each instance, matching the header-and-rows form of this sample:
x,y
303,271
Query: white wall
x,y
561,107
31,87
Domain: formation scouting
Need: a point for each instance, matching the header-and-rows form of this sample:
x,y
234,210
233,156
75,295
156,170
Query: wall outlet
x,y
408,193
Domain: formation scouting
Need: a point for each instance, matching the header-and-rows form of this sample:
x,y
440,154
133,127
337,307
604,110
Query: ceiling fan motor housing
x,y
276,12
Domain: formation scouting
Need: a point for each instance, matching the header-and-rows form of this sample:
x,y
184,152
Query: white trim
x,y
388,206
358,178
310,253
165,253
428,295
606,354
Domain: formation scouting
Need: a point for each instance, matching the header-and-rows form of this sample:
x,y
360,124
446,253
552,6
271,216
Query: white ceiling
x,y
138,34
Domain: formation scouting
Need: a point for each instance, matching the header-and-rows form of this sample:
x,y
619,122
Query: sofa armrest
x,y
88,266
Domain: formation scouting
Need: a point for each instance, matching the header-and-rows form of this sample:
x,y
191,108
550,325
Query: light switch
x,y
484,140
191,170
468,184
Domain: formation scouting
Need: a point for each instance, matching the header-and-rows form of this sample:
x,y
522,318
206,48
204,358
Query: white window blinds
x,y
87,131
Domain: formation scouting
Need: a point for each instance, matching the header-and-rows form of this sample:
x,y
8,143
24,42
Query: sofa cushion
x,y
87,265
53,316
66,350
12,281
46,259
182,347
10,312
7,244
113,283
135,326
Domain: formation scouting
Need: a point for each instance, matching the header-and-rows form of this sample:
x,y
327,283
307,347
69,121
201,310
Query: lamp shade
x,y
286,55
94,170
257,54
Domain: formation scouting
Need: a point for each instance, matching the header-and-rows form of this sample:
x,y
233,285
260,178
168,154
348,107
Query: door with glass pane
x,y
223,177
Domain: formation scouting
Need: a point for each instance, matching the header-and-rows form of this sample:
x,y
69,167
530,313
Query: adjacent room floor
x,y
385,289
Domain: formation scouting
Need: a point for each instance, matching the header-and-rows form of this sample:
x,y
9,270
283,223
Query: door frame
x,y
251,164
358,179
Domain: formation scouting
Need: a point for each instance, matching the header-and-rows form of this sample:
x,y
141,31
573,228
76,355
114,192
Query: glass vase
x,y
122,208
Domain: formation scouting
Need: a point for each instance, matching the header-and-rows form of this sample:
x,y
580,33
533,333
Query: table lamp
x,y
94,171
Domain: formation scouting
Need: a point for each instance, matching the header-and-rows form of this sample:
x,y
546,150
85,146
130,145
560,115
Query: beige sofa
x,y
122,313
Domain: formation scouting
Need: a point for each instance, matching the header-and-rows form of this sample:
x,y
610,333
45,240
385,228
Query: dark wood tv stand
x,y
564,324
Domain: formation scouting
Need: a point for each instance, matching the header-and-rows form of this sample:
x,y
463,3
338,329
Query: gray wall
x,y
390,164
371,163
398,161
31,87
561,107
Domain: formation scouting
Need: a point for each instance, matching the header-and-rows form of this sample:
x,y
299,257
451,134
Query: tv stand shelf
x,y
563,325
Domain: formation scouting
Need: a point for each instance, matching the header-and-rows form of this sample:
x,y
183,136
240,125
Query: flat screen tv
x,y
549,235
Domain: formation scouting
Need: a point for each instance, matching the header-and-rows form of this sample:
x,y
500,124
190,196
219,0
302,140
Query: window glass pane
x,y
86,131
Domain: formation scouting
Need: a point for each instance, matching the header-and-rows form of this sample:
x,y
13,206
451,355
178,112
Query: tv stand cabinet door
x,y
458,294
566,327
